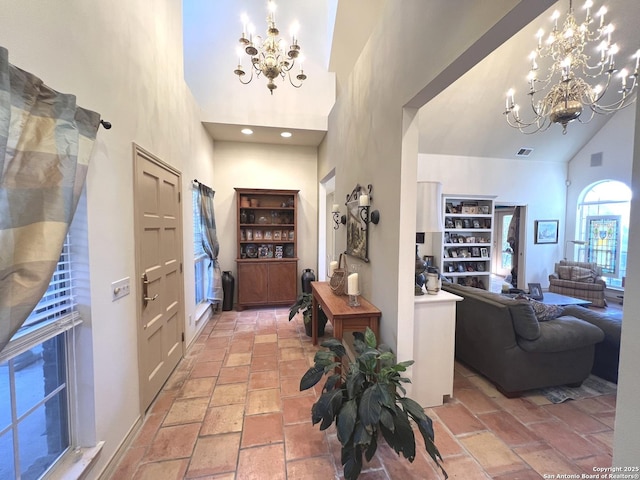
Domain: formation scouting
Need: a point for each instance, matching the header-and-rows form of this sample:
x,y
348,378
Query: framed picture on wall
x,y
546,231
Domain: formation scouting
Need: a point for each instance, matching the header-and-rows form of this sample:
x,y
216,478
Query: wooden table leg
x,y
314,320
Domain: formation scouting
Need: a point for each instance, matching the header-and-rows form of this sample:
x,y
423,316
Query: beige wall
x,y
123,59
254,165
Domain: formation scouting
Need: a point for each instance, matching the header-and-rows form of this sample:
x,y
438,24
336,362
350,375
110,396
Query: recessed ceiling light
x,y
285,134
247,131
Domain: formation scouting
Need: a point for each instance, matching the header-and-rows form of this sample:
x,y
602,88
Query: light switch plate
x,y
120,288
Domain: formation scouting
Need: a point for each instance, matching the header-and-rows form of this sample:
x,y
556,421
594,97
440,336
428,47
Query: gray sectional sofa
x,y
503,340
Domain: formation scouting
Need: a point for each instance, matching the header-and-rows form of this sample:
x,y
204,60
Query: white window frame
x,y
200,258
54,315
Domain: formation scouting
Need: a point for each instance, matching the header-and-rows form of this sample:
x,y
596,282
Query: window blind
x,y
54,313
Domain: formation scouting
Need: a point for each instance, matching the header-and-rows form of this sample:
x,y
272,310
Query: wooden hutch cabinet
x,y
267,251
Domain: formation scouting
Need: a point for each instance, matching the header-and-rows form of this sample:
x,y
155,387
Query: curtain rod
x,y
200,183
105,124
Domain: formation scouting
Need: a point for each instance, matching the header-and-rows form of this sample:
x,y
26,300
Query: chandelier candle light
x,y
567,90
269,56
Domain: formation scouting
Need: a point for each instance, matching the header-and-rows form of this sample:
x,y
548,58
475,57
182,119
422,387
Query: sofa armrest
x,y
600,281
554,276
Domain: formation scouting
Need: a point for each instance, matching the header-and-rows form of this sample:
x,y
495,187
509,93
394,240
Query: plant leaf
x,y
361,436
355,382
346,421
386,419
402,439
413,408
351,462
331,382
323,357
371,449
311,377
326,408
426,429
335,346
370,407
370,338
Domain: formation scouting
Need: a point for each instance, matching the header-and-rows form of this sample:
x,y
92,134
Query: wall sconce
x,y
364,206
335,211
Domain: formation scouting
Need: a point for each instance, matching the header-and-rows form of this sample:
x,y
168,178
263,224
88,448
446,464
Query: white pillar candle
x,y
364,200
332,267
335,208
352,284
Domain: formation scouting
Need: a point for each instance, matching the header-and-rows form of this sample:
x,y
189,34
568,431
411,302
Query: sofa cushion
x,y
580,274
524,320
561,334
564,272
545,312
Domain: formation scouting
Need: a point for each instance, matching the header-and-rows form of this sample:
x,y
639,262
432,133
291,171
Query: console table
x,y
340,314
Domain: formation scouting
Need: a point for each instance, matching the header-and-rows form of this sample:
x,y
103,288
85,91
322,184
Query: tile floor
x,y
232,411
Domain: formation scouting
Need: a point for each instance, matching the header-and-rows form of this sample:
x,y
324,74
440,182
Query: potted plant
x,y
364,401
304,304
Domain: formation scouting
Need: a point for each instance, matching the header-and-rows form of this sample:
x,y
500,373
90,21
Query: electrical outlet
x,y
120,288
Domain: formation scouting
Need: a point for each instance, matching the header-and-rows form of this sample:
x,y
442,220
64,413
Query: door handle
x,y
145,293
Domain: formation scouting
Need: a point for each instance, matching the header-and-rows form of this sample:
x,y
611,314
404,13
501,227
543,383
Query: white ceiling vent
x,y
524,152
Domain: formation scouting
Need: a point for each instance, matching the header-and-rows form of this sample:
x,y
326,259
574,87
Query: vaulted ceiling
x,y
465,119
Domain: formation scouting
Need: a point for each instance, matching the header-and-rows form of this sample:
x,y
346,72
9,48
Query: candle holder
x,y
353,300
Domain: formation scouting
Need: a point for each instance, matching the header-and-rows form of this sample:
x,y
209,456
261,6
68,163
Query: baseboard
x,y
110,468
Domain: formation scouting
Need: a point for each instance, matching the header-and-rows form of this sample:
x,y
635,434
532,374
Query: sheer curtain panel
x,y
45,144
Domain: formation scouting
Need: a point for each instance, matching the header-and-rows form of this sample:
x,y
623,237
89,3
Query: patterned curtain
x,y
45,144
210,243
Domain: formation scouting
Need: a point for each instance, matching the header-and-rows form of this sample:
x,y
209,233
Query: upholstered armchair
x,y
579,280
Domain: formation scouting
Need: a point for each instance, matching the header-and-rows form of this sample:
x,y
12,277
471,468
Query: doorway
x,y
508,253
160,302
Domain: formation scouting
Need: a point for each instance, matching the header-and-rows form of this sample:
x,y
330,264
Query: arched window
x,y
603,226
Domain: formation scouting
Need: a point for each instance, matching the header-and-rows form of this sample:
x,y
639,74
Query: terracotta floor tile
x,y
265,350
528,474
506,427
266,338
605,439
292,354
205,369
523,410
258,463
545,460
163,401
492,453
214,345
198,387
186,410
149,429
476,401
214,454
233,375
293,342
172,470
229,394
304,440
463,467
262,380
293,368
173,442
601,460
223,419
263,401
240,347
290,386
262,430
297,409
458,419
237,359
575,418
592,406
308,468
399,467
213,354
263,363
485,386
559,436
447,444
130,462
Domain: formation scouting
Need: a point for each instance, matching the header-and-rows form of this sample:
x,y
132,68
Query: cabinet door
x,y
282,282
253,281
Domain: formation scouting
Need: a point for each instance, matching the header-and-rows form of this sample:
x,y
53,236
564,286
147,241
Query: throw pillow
x,y
579,274
545,312
564,272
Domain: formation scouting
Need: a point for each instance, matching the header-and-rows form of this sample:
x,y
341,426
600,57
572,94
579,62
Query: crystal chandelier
x,y
269,56
570,87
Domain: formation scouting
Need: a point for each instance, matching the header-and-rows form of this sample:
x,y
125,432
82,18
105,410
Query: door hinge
x,y
180,267
183,336
179,197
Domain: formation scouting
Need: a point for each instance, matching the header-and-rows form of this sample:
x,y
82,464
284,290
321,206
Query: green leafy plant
x,y
304,304
365,402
